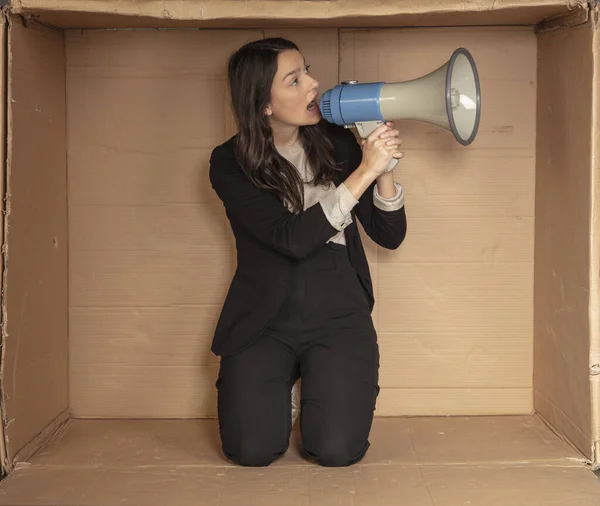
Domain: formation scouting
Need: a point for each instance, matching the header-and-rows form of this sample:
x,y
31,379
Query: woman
x,y
300,302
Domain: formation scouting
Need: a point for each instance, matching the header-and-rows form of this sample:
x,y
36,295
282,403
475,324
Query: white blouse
x,y
336,202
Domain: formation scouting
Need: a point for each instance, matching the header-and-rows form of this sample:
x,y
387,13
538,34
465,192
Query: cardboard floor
x,y
507,461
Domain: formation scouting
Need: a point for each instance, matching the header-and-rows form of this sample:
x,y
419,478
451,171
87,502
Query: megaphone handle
x,y
366,128
391,165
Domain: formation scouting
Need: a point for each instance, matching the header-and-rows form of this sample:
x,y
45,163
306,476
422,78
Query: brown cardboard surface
x,y
35,375
444,401
486,440
594,306
455,302
153,444
303,486
562,251
446,461
33,486
261,13
4,459
517,486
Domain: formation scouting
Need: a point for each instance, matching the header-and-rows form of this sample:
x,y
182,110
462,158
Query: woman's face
x,y
294,97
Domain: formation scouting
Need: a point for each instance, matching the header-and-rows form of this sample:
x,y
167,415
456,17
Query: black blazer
x,y
269,239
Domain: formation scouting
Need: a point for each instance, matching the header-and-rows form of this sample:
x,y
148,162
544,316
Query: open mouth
x,y
312,106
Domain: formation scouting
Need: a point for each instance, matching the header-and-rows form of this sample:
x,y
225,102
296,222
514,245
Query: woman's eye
x,y
295,81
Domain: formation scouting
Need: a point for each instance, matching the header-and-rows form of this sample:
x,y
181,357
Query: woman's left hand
x,y
392,138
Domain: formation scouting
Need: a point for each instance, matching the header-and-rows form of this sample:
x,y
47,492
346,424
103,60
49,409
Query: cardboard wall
x,y
269,13
595,256
151,254
562,252
35,341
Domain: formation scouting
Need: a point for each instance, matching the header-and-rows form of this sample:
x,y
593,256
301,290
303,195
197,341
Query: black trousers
x,y
325,335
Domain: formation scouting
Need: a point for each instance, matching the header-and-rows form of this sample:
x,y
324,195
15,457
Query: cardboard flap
x,y
35,305
562,258
253,13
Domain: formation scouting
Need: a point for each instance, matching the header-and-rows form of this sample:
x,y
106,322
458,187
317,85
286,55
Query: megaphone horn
x,y
449,97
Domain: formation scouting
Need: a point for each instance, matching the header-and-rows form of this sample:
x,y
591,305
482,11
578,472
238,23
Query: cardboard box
x,y
117,253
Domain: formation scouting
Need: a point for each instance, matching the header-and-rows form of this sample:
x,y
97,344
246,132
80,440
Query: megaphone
x,y
449,97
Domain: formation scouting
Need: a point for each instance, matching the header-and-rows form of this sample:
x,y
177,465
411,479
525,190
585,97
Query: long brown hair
x,y
251,70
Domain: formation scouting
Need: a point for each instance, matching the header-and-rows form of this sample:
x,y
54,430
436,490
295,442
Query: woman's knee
x,y
252,454
336,451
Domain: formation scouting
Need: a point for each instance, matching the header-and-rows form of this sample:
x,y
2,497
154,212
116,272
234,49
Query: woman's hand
x,y
380,148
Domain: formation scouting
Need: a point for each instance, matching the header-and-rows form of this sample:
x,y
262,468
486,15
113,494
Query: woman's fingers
x,y
390,133
375,134
393,142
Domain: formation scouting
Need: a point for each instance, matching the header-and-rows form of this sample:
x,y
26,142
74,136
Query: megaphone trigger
x,y
366,128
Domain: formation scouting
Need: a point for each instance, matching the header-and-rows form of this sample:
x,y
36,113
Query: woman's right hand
x,y
380,148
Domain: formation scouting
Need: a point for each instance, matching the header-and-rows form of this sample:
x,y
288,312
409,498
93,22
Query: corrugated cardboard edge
x,y
52,432
211,10
214,9
573,17
594,301
5,463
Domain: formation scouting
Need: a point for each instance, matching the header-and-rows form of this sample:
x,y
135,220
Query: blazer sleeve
x,y
387,228
262,214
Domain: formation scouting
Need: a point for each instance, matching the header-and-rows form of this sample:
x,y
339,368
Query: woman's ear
x,y
268,111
